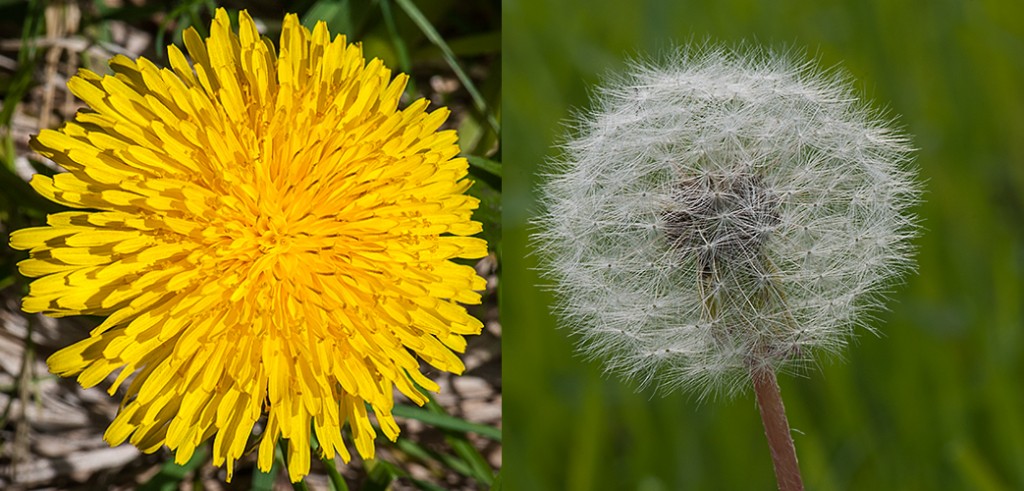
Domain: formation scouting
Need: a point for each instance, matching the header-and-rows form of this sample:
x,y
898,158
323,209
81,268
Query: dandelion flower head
x,y
725,210
268,236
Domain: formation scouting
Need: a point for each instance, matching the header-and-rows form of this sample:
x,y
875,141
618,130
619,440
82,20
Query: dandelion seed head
x,y
723,209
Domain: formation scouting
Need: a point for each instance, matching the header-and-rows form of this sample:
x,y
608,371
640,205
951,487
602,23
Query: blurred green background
x,y
935,401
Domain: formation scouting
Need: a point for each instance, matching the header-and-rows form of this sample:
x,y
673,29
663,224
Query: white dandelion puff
x,y
727,210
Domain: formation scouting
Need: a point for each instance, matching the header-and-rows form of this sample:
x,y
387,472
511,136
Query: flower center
x,y
721,217
275,241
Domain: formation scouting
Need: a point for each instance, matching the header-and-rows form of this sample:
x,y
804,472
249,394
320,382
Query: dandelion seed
x,y
271,236
723,216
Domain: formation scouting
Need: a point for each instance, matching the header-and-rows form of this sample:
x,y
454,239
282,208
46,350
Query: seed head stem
x,y
776,428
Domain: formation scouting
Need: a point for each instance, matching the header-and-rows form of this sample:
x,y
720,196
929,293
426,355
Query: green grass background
x,y
933,403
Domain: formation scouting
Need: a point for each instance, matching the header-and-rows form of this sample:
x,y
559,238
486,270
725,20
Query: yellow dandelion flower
x,y
267,233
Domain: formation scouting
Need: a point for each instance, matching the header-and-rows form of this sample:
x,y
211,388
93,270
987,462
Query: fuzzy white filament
x,y
727,210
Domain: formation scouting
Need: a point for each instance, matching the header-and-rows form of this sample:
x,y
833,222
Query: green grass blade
x,y
417,452
432,34
447,422
402,50
264,481
484,164
337,482
481,469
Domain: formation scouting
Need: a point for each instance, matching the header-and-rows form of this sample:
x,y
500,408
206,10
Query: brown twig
x,y
776,428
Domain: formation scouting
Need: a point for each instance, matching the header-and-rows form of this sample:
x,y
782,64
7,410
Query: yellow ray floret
x,y
267,233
